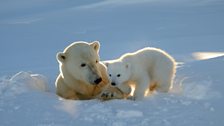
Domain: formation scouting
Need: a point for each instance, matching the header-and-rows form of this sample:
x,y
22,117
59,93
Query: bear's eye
x,y
110,75
97,61
118,75
83,65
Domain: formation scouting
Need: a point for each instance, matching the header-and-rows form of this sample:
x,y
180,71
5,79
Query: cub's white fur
x,y
148,68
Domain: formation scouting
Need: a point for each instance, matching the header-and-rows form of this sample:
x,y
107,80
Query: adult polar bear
x,y
81,76
148,68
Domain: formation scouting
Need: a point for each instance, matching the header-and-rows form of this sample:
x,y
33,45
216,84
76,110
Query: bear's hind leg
x,y
164,85
164,78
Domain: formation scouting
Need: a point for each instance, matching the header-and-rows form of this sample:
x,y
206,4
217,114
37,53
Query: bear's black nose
x,y
113,83
97,81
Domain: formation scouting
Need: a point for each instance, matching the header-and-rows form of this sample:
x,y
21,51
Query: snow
x,y
191,31
197,100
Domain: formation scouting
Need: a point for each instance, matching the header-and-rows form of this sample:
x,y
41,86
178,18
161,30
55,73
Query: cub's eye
x,y
83,65
97,61
118,75
110,75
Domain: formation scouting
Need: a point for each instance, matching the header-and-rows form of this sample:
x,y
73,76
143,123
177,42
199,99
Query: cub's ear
x,y
95,45
127,65
61,57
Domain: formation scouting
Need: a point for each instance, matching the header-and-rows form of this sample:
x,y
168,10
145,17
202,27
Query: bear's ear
x,y
106,63
127,65
95,45
61,57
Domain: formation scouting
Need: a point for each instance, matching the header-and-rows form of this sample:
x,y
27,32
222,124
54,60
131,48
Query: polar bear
x,y
82,75
148,68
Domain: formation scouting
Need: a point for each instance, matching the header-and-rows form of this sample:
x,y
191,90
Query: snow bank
x,y
23,82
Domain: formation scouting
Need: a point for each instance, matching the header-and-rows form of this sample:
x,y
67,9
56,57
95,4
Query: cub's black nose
x,y
97,81
113,83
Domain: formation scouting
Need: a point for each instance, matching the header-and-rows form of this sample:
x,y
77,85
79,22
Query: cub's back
x,y
147,53
147,56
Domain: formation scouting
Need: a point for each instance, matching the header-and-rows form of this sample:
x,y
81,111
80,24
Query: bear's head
x,y
80,61
118,72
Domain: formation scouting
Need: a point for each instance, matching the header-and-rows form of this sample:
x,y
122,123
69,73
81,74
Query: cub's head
x,y
118,72
80,61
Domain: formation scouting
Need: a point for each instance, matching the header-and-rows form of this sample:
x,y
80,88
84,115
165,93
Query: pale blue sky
x,y
33,31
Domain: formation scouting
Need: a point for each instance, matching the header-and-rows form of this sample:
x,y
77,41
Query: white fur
x,y
79,68
146,67
82,75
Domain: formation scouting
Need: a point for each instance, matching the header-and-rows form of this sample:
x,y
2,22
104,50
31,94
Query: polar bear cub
x,y
148,68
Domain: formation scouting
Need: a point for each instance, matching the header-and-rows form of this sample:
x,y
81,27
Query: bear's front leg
x,y
141,86
111,93
125,88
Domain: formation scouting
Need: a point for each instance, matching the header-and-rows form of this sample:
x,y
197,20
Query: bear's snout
x,y
98,80
113,83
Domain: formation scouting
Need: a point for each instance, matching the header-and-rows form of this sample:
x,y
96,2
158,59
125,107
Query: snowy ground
x,y
196,100
39,29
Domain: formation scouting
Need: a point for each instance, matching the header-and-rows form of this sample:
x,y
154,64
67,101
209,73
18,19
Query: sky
x,y
33,31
